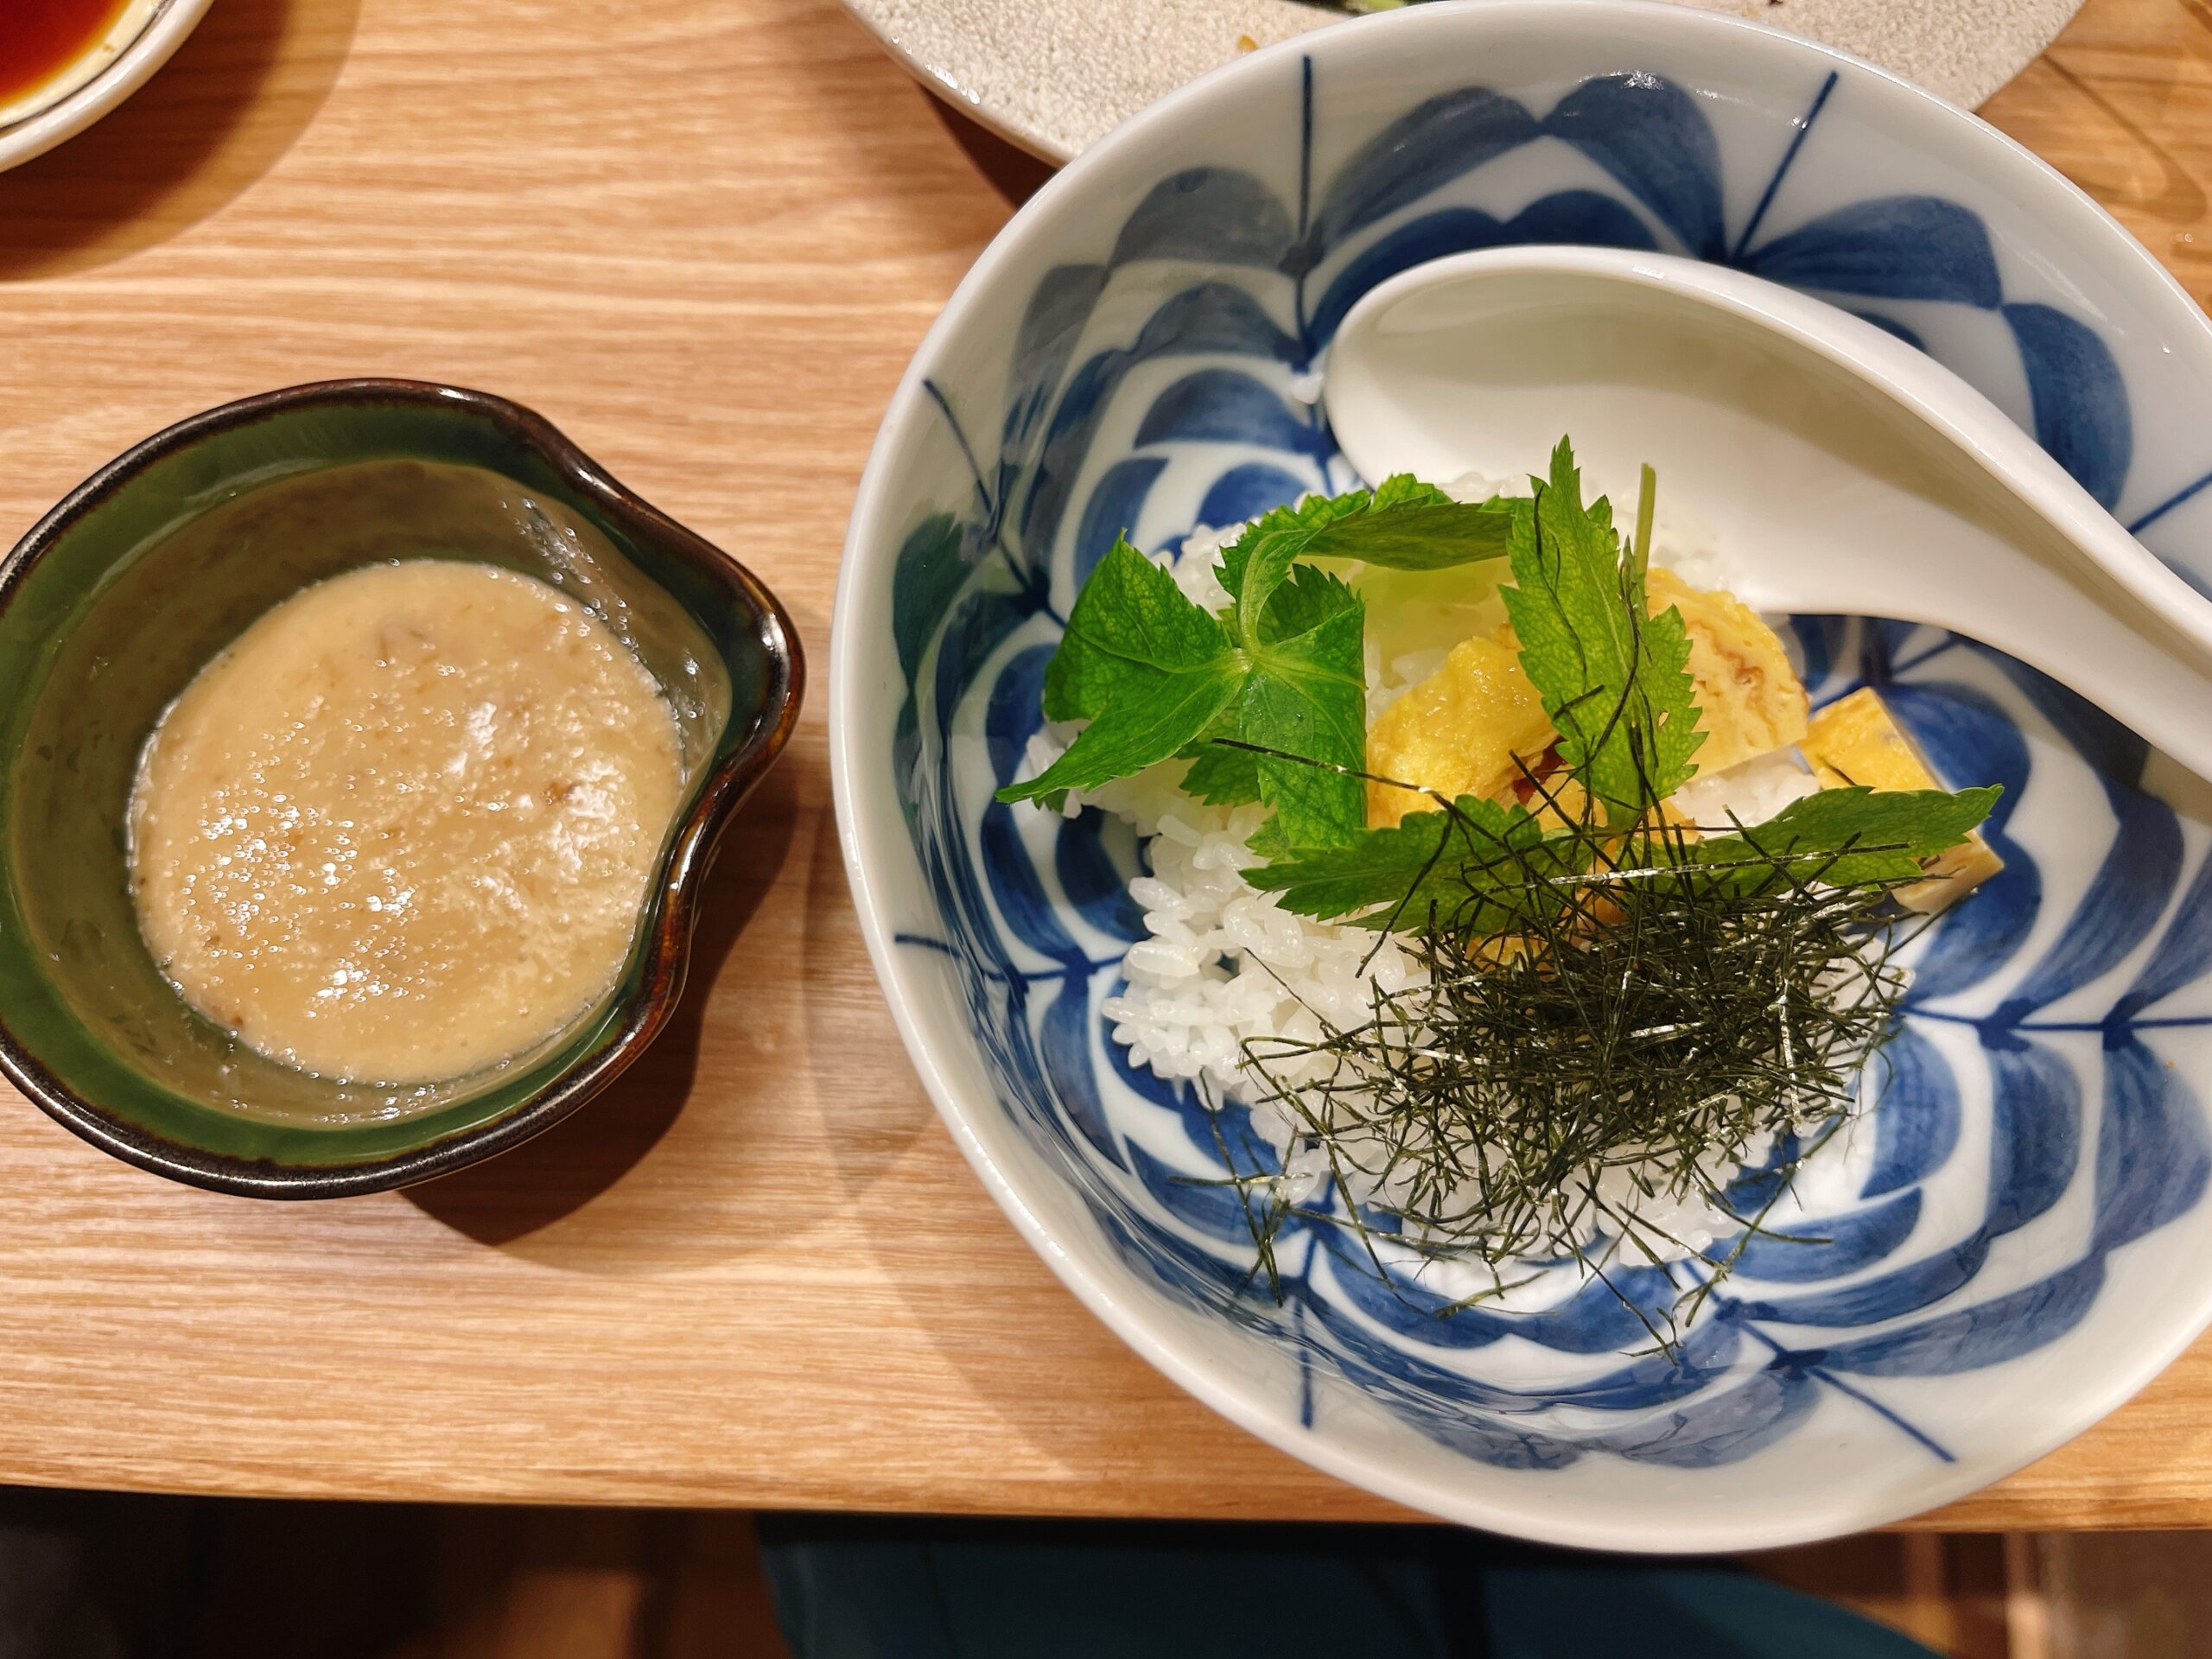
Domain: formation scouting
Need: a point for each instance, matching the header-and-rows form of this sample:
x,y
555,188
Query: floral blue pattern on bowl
x,y
2043,1119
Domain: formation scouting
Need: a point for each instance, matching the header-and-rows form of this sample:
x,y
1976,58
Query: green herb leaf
x,y
1850,837
1469,864
1149,670
1221,773
1307,698
1406,525
1300,725
1614,679
1130,625
1415,526
1136,730
1282,669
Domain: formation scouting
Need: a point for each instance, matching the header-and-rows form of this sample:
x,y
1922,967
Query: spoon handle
x,y
2125,655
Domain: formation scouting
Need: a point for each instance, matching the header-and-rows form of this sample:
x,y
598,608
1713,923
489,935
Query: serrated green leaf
x,y
1415,526
1474,864
1308,698
1146,722
1149,668
1266,840
1666,695
1305,700
1614,679
1405,524
1129,624
1222,773
1282,669
1308,597
1848,838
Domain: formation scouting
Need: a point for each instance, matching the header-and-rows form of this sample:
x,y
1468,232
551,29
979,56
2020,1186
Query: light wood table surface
x,y
703,236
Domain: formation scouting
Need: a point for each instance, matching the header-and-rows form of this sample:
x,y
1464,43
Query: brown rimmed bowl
x,y
116,599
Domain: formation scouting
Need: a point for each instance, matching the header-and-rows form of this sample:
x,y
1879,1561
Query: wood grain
x,y
703,236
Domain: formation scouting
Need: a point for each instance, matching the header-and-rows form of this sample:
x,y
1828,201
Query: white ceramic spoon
x,y
1841,471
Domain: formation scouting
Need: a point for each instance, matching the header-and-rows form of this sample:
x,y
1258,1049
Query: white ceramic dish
x,y
2020,1243
1054,75
140,42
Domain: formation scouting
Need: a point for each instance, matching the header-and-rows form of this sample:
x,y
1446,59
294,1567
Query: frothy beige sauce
x,y
401,829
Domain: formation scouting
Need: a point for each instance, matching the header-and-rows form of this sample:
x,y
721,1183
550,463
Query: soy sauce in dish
x,y
42,38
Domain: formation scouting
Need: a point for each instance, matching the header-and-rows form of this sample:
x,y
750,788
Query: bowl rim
x,y
673,901
861,786
173,20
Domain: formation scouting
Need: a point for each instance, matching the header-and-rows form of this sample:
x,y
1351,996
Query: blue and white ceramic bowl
x,y
2025,1239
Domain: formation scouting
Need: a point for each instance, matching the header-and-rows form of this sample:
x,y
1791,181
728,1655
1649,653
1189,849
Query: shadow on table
x,y
1012,171
215,118
872,1129
545,1180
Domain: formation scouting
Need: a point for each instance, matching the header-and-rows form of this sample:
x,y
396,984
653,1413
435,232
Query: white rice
x,y
1224,964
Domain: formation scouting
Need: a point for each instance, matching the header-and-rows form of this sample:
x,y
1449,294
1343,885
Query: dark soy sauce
x,y
39,39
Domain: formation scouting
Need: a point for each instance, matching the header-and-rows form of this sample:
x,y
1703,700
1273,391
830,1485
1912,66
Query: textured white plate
x,y
1054,75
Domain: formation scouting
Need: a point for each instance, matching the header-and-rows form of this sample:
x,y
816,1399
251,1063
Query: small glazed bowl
x,y
143,36
2017,1239
124,591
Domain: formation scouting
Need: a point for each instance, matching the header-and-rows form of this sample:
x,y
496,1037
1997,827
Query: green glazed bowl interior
x,y
127,589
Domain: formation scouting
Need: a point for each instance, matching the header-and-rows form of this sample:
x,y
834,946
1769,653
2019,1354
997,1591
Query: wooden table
x,y
703,236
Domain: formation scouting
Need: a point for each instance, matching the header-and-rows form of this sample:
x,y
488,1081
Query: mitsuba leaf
x,y
1149,670
1223,773
1410,526
1297,731
1847,837
1307,699
1405,524
1136,729
1614,678
1281,670
1472,865
1130,625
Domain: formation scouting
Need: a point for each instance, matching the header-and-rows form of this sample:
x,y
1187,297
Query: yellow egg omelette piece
x,y
1477,727
1749,698
1469,728
1855,740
